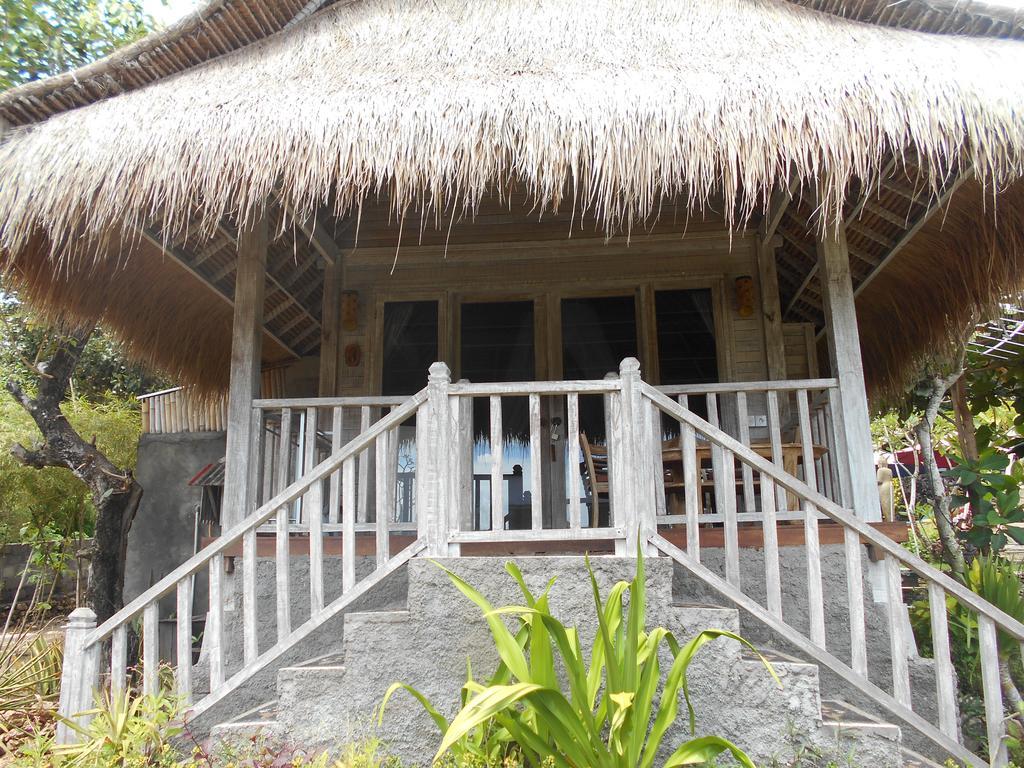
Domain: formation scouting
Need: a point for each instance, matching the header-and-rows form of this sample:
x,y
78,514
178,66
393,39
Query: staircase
x,y
324,634
428,642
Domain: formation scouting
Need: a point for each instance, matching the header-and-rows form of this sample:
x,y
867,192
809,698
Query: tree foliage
x,y
44,37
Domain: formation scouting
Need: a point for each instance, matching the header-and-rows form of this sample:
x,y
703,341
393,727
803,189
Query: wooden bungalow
x,y
657,258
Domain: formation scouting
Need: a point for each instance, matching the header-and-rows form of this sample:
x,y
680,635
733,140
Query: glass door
x,y
496,344
597,333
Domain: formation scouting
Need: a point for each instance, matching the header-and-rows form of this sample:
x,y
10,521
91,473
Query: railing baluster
x,y
620,464
497,466
731,529
995,715
723,472
213,635
256,461
572,404
812,545
348,522
281,550
945,682
118,658
744,437
314,514
855,600
250,641
772,572
383,530
394,449
183,667
838,448
536,496
334,494
691,484
652,433
364,468
151,649
897,632
775,438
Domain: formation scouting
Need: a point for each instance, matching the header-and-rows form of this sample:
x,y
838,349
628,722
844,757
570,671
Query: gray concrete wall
x,y
162,535
793,567
428,646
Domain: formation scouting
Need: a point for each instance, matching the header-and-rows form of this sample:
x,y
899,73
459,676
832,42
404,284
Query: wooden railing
x,y
788,422
88,645
852,667
319,480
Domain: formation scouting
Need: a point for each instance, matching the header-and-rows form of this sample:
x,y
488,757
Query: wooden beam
x,y
771,308
183,260
330,329
777,206
884,213
244,386
272,279
854,212
865,231
921,220
848,368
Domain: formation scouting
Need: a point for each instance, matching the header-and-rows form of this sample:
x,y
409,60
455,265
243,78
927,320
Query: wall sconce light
x,y
745,296
349,310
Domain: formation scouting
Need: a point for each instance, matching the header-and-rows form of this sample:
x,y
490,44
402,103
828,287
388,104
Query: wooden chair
x,y
595,480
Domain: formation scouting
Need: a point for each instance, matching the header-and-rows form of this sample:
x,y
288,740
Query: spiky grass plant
x,y
618,709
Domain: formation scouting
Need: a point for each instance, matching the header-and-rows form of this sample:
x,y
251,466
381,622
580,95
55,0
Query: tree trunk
x,y
934,489
115,492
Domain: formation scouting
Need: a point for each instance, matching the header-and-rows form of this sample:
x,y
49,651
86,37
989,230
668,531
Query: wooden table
x,y
672,459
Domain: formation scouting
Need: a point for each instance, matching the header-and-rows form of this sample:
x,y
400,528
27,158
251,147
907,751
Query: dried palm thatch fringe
x,y
949,277
605,105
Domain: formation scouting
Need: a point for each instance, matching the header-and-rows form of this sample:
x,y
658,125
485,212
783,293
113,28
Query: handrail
x,y
167,391
832,510
582,387
727,387
327,402
256,519
818,654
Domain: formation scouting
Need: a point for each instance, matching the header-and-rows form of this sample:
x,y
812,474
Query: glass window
x,y
410,346
497,341
686,337
597,333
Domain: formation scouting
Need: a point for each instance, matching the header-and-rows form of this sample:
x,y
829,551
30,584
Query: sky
x,y
166,12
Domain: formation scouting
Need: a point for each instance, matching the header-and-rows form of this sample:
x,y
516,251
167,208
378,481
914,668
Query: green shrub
x,y
617,710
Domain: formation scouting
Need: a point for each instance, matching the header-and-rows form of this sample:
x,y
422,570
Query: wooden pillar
x,y
771,308
847,366
246,353
330,328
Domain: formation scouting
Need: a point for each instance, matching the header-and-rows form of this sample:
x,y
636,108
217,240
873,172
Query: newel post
x,y
636,508
80,676
433,443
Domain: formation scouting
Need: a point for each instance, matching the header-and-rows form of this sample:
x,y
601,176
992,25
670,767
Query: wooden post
x,y
847,366
433,456
638,517
771,308
330,329
246,349
80,675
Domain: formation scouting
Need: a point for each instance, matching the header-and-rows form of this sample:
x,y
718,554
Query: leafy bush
x,y
617,711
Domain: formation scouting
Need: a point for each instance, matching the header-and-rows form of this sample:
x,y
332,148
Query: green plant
x,y
128,730
618,709
990,489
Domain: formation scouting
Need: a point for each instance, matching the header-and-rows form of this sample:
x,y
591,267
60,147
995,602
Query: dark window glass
x,y
597,333
497,341
410,345
686,337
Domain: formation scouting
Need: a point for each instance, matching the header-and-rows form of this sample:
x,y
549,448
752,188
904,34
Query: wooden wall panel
x,y
502,255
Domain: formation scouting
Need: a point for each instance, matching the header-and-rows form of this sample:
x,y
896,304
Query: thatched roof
x,y
609,106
